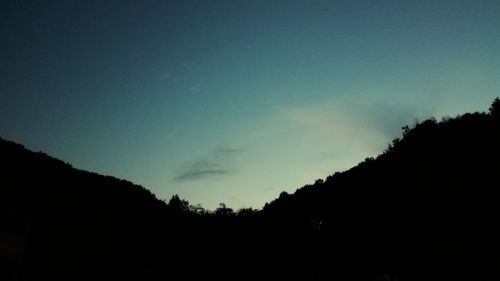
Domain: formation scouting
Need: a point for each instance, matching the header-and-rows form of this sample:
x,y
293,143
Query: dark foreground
x,y
428,208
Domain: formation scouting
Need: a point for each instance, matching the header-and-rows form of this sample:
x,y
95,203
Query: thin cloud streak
x,y
200,174
221,162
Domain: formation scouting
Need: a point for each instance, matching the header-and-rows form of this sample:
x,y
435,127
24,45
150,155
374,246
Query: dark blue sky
x,y
236,101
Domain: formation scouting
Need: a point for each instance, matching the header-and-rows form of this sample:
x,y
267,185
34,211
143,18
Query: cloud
x,y
345,127
228,151
388,119
201,169
221,162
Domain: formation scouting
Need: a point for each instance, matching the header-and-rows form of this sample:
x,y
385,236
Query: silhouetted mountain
x,y
427,208
73,221
60,223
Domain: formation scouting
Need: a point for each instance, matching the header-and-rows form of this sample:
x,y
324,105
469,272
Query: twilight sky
x,y
235,101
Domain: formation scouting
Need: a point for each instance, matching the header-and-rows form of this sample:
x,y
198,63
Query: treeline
x,y
182,207
428,208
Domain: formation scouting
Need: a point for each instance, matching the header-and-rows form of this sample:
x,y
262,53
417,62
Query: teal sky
x,y
236,101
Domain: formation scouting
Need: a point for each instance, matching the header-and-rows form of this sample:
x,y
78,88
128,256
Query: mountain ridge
x,y
426,208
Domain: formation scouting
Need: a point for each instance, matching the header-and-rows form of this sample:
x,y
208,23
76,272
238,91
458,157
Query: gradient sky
x,y
236,101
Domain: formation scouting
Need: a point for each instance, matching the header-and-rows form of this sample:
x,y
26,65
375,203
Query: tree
x,y
198,209
178,204
223,210
495,108
246,212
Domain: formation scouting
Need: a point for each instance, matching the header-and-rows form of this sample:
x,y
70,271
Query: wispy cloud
x,y
350,126
221,162
388,119
201,169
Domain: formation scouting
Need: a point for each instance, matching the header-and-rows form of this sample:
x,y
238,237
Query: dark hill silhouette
x,y
60,223
427,208
73,221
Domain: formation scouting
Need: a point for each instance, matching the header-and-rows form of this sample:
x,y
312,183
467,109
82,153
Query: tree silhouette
x,y
178,204
223,210
426,208
495,108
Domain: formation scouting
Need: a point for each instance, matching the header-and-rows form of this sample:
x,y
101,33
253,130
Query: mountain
x,y
427,208
60,221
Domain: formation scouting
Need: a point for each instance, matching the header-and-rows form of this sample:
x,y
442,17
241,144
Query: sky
x,y
236,101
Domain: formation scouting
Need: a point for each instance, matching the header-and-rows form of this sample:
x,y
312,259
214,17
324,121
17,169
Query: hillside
x,y
427,208
61,223
437,161
67,220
